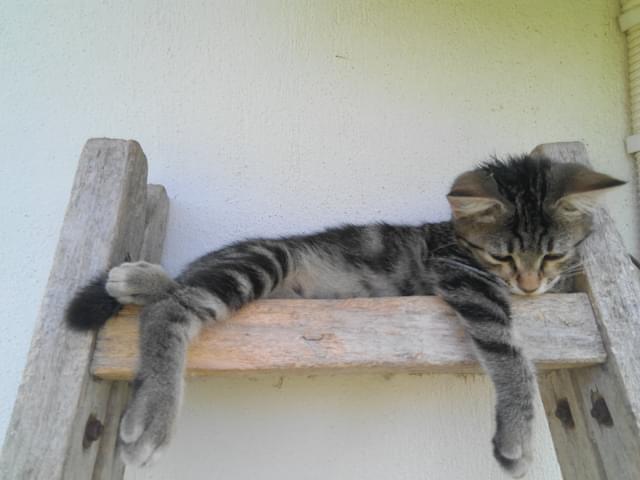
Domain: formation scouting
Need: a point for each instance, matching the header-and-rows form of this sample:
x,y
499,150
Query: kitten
x,y
516,227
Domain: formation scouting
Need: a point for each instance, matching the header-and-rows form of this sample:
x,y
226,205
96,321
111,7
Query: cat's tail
x,y
91,306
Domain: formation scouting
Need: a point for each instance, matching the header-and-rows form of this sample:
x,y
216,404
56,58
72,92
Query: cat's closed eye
x,y
501,258
554,257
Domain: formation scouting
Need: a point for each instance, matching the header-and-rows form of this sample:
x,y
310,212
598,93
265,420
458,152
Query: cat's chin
x,y
542,289
547,285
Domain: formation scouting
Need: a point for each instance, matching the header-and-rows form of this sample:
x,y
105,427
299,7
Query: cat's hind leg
x,y
140,283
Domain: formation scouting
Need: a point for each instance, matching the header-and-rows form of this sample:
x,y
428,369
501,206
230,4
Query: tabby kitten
x,y
516,228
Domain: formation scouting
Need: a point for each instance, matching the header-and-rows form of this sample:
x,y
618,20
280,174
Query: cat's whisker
x,y
571,275
474,270
446,245
571,271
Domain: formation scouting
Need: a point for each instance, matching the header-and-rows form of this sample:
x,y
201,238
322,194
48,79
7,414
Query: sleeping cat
x,y
516,227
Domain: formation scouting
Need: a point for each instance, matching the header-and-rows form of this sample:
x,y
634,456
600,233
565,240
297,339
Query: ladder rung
x,y
395,334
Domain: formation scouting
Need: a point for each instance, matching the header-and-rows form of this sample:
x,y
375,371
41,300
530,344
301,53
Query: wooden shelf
x,y
399,334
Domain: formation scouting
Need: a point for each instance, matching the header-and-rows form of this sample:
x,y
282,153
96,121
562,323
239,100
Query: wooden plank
x,y
157,215
108,464
409,334
560,401
103,225
603,402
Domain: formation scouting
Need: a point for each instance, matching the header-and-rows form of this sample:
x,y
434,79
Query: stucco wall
x,y
271,117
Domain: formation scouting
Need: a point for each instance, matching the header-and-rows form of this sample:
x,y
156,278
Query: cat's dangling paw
x,y
138,282
148,422
512,450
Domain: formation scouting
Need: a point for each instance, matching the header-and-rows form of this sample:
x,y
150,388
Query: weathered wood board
x,y
408,334
156,217
594,413
104,224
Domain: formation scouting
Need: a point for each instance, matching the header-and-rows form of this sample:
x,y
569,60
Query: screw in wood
x,y
563,413
92,431
600,410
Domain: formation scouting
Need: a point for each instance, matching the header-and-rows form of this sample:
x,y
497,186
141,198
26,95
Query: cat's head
x,y
523,218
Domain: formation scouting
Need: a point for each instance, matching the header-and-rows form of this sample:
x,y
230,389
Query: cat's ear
x,y
474,196
581,188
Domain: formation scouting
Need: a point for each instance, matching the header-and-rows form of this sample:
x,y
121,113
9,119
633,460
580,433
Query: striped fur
x,y
515,228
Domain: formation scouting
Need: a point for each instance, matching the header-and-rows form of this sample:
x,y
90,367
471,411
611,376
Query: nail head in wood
x,y
563,413
92,431
600,410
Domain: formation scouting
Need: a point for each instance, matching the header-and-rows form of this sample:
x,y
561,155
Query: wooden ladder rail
x,y
594,412
64,420
589,387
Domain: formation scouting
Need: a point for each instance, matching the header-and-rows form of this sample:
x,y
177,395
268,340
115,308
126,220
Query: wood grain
x,y
409,334
103,224
156,217
596,447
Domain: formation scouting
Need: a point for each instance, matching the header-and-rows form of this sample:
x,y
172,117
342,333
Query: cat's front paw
x,y
138,282
512,448
148,422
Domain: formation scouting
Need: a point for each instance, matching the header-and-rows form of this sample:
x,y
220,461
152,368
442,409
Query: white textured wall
x,y
270,117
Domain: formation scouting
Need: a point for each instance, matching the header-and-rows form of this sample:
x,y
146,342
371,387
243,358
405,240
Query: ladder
x,y
586,344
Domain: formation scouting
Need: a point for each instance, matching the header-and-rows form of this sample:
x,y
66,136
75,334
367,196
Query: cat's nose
x,y
529,282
